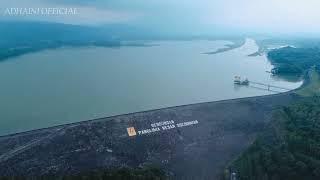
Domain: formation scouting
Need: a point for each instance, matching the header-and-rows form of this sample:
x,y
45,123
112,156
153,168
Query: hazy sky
x,y
188,15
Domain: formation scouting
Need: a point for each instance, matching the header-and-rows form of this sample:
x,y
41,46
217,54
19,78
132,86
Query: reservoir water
x,y
66,85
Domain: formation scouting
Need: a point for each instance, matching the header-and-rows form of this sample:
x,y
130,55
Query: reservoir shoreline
x,y
227,127
159,109
71,85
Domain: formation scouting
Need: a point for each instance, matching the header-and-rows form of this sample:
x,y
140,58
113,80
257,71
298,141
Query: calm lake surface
x,y
66,85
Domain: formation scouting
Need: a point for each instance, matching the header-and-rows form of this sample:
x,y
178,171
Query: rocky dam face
x,y
188,142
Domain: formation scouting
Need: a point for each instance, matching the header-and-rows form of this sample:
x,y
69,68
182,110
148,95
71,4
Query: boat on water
x,y
239,81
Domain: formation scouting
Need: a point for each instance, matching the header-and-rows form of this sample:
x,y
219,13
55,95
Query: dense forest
x,y
267,42
289,149
293,61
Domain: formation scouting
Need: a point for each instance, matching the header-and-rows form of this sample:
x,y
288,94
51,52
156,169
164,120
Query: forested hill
x,y
289,149
19,38
23,32
294,61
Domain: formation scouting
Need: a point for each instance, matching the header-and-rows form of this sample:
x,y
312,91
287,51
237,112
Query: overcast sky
x,y
189,15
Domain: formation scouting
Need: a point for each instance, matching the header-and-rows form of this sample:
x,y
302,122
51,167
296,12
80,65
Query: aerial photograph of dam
x,y
141,89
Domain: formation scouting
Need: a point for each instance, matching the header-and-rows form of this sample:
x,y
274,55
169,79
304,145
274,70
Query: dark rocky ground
x,y
200,151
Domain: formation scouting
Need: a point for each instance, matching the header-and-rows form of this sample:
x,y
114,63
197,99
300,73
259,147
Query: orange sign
x,y
131,131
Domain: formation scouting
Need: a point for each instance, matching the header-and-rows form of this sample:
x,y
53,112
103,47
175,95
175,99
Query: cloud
x,y
263,15
190,15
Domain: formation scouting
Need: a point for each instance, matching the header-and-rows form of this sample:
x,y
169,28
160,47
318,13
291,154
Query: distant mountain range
x,y
21,37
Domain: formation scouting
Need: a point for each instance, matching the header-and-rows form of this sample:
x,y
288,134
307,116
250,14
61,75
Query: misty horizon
x,y
187,18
